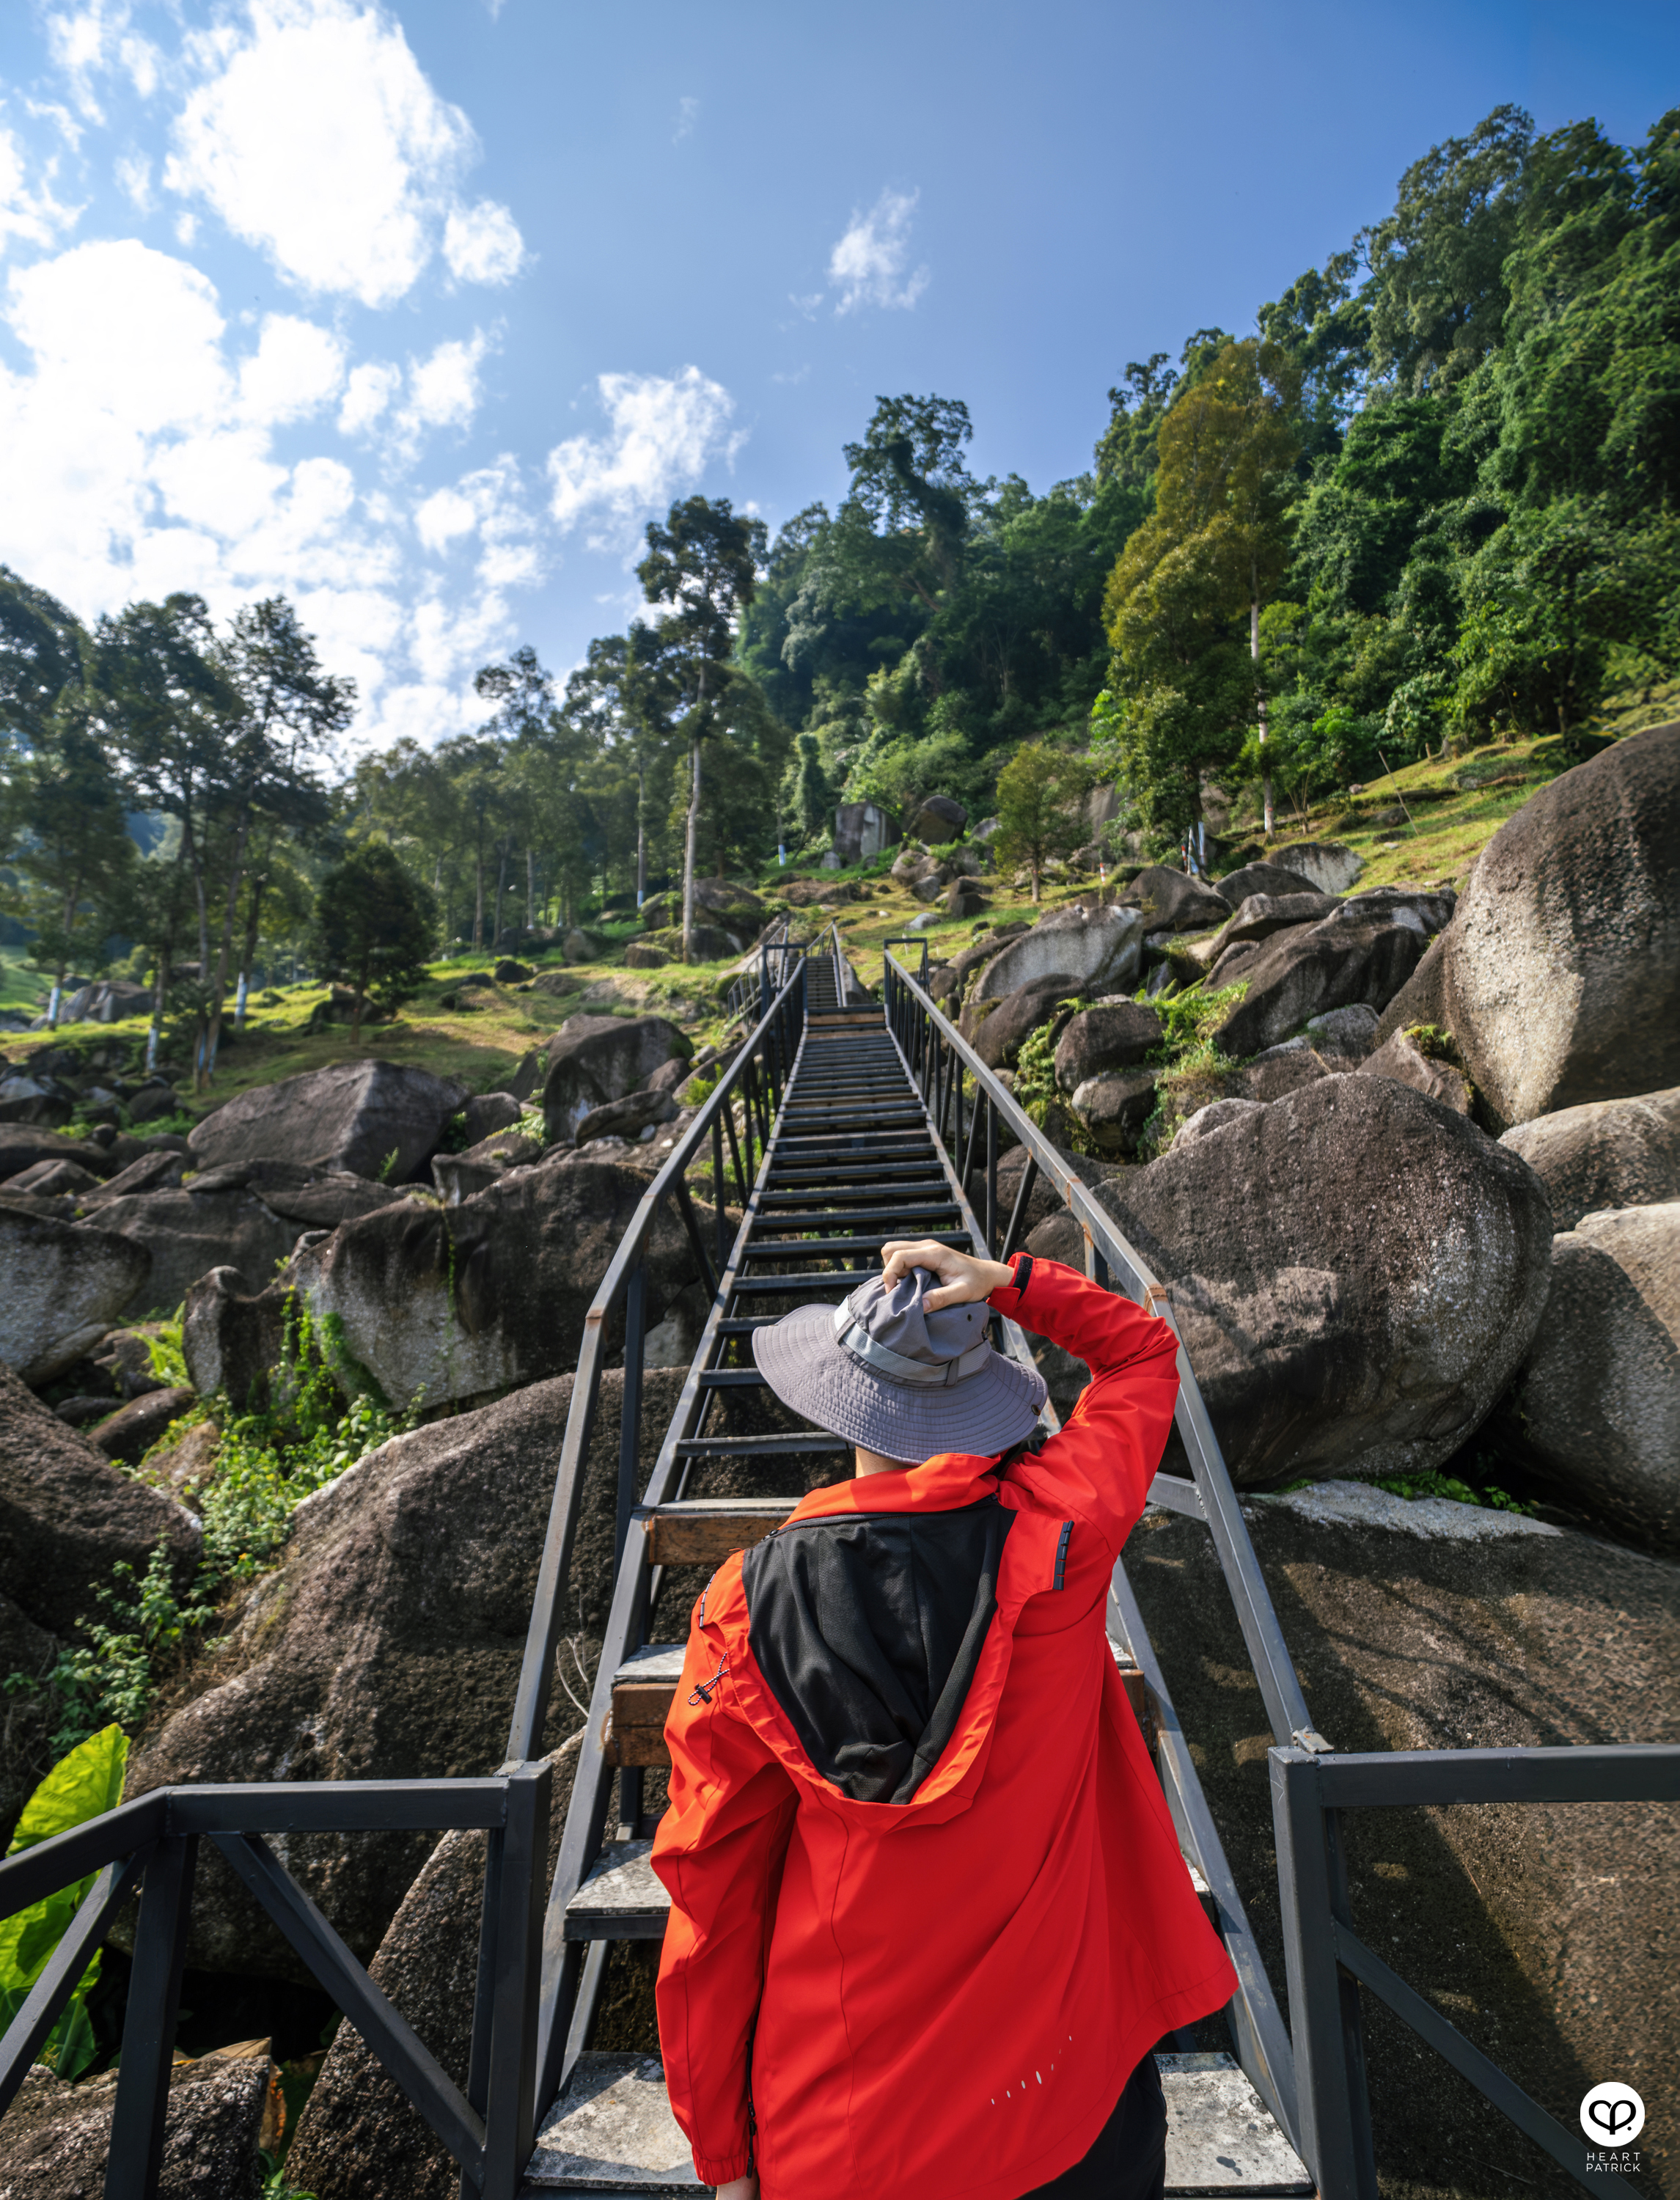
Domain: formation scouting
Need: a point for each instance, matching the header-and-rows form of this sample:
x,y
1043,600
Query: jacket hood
x,y
879,1639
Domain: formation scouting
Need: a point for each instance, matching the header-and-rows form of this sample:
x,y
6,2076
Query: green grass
x,y
22,985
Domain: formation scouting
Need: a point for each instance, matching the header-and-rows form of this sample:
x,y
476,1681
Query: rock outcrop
x,y
1262,878
1541,1931
387,1645
595,1059
1099,948
1595,1408
1356,1272
55,2140
445,1303
1605,1153
186,1233
998,1034
1561,976
1113,1035
375,1118
62,1285
67,1516
1353,955
1326,865
358,2134
1401,1058
1173,901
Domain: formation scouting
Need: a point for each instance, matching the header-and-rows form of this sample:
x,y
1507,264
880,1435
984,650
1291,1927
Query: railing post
x,y
718,1184
148,2027
629,1425
511,2113
1331,2101
990,1177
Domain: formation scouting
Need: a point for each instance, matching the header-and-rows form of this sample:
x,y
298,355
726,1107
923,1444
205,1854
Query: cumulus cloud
x,y
664,430
152,466
316,137
482,244
868,265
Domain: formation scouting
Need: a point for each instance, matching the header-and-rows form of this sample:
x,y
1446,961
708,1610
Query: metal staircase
x,y
852,1160
838,1122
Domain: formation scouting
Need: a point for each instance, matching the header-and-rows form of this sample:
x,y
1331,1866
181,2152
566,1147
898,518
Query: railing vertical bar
x,y
484,1994
718,1183
990,1177
511,2113
149,2024
1029,1177
629,1419
1331,2101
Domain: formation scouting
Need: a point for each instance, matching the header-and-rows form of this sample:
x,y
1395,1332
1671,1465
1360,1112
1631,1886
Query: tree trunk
x,y
355,1013
1259,700
249,956
641,833
224,955
1035,878
688,853
160,988
501,891
530,889
478,900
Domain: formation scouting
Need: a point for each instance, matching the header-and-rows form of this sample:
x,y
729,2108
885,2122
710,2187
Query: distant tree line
x,y
1431,500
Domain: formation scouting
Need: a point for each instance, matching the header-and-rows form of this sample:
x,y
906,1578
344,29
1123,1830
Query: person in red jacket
x,y
928,1913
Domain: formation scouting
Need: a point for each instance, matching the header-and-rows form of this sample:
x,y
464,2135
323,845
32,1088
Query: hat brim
x,y
800,1357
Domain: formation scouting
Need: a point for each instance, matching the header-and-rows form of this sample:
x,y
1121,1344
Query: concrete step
x,y
612,2130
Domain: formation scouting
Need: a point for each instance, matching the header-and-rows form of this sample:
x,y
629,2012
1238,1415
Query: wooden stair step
x,y
612,2130
704,1531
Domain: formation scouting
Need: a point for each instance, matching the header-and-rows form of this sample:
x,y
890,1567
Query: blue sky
x,y
417,311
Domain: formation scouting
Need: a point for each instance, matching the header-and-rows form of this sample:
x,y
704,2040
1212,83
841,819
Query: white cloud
x,y
85,41
296,368
36,215
317,137
371,389
443,388
138,468
664,431
134,178
687,114
868,266
482,244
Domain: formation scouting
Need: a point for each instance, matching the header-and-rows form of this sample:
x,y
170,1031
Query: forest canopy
x,y
1427,502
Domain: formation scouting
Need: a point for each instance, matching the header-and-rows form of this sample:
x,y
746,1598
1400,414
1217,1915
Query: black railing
x,y
1313,2082
490,2129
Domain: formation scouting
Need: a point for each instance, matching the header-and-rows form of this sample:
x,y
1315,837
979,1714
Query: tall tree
x,y
704,561
376,926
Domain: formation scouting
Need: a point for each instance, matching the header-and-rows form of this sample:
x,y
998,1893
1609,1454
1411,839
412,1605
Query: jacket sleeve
x,y
719,1851
1100,1467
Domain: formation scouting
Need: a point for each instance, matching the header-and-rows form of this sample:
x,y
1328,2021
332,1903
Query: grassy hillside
x,y
1425,824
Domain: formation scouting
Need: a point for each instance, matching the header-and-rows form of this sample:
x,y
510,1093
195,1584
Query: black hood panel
x,y
867,1628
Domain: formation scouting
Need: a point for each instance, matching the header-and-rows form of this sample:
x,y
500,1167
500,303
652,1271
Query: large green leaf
x,y
79,1787
82,1785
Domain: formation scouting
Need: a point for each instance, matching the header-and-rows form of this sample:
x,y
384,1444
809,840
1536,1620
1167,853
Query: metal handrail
x,y
1312,2076
935,1052
490,2128
1326,1963
773,1043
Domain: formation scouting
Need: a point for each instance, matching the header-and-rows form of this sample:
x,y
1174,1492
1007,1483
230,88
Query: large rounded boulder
x,y
378,1118
62,1285
1357,1273
1596,1407
1562,968
595,1059
447,1303
1099,949
1605,1153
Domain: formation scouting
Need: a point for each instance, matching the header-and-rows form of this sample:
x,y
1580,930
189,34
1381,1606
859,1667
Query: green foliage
x,y
375,925
1035,1086
82,1785
1041,794
166,1355
1433,1484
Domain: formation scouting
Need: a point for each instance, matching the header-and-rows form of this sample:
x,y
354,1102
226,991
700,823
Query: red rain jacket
x,y
943,1994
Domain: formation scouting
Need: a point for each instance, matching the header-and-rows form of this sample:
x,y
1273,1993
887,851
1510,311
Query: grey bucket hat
x,y
884,1371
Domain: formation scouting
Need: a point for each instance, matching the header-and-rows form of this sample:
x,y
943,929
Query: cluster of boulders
x,y
1438,1197
95,1083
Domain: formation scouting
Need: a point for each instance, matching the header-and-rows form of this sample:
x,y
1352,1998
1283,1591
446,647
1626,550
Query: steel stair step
x,y
817,1248
612,2130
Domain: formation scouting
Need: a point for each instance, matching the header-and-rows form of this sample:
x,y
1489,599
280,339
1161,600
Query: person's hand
x,y
740,2188
961,1277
